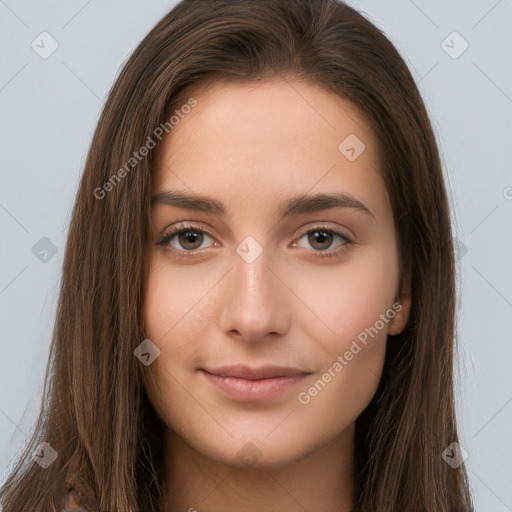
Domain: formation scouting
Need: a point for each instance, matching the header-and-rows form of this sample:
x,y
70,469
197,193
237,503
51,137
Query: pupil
x,y
187,235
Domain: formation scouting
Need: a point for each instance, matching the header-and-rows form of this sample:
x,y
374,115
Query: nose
x,y
255,304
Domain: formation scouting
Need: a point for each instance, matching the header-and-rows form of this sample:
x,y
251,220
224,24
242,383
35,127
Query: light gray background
x,y
49,108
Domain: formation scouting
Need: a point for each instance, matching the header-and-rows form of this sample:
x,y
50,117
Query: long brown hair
x,y
95,412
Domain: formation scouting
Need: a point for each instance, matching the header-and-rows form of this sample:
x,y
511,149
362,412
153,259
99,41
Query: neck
x,y
322,481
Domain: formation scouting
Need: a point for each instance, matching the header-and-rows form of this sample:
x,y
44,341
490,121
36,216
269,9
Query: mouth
x,y
261,384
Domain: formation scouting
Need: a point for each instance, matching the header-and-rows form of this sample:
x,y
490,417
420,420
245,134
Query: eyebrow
x,y
294,206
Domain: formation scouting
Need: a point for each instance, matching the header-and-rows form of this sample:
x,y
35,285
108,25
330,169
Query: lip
x,y
262,384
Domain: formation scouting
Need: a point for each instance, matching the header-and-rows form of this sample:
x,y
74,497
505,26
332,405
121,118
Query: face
x,y
271,313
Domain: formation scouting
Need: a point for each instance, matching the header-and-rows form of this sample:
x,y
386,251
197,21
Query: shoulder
x,y
72,503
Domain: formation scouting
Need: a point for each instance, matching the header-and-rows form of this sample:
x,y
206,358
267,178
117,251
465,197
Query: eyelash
x,y
182,228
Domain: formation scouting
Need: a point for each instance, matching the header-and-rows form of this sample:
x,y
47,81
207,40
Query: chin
x,y
259,452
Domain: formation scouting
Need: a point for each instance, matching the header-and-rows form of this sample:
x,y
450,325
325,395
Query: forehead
x,y
295,109
272,138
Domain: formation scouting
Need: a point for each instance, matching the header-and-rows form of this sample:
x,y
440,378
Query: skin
x,y
253,146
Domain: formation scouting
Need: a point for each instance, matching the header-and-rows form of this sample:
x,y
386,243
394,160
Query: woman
x,y
300,356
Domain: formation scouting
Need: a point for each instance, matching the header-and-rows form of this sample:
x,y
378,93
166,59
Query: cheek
x,y
341,393
172,305
350,302
168,324
160,310
173,299
165,322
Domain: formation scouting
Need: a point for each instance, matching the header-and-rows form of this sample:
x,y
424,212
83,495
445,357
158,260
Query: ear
x,y
402,306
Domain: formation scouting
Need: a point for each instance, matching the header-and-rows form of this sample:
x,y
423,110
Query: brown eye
x,y
184,238
320,239
190,239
